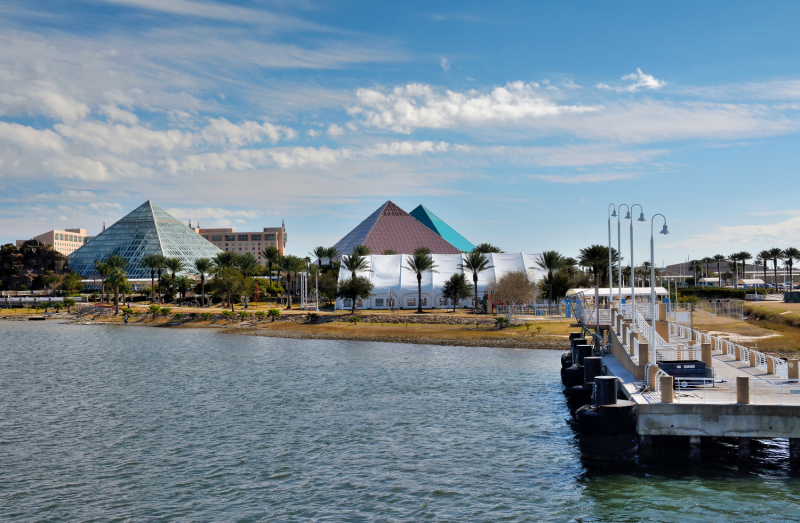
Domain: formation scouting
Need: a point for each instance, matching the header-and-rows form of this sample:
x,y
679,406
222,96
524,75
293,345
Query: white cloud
x,y
215,214
445,63
312,133
77,167
334,131
753,237
222,132
123,139
14,134
640,81
584,178
120,115
412,106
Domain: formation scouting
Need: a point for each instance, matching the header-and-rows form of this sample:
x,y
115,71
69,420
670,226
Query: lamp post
x,y
619,254
610,282
633,270
664,230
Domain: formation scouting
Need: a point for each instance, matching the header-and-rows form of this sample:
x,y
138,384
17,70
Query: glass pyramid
x,y
432,222
390,227
148,229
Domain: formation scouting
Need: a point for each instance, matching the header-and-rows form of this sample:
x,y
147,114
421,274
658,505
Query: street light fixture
x,y
612,215
664,230
619,255
633,269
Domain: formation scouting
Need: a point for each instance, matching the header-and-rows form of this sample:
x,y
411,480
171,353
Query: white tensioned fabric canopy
x,y
390,277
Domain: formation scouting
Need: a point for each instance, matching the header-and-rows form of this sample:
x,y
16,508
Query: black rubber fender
x,y
566,360
609,448
579,394
572,376
606,421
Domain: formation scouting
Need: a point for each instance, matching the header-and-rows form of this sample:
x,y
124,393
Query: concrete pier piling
x,y
694,448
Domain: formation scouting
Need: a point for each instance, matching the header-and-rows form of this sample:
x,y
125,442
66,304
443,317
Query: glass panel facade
x,y
148,229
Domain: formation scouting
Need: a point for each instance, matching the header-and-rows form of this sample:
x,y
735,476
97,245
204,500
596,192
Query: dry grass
x,y
21,312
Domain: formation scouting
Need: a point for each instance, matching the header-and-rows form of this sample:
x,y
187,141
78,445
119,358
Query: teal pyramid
x,y
434,223
148,229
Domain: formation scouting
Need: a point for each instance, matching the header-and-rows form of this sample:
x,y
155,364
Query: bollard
x,y
770,366
592,367
652,383
752,359
605,390
793,374
705,354
738,352
666,389
743,390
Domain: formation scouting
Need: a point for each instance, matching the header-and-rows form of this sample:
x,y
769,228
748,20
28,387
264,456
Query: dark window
x,y
269,237
230,237
216,237
255,237
242,237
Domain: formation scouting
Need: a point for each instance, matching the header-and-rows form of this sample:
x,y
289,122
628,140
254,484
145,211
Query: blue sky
x,y
515,122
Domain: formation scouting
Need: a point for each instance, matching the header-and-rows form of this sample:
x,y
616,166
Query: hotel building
x,y
65,242
244,242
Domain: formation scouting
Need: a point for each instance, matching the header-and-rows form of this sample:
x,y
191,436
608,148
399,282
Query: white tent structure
x,y
395,282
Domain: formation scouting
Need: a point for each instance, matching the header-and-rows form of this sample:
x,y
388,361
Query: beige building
x,y
244,242
65,242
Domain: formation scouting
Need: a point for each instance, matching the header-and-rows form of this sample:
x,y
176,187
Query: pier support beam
x,y
794,451
744,448
694,448
705,354
666,389
646,447
793,369
743,390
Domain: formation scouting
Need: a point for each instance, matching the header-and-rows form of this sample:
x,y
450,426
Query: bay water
x,y
114,423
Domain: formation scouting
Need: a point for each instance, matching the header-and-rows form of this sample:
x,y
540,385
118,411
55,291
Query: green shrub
x,y
178,315
154,310
355,319
206,316
261,315
127,311
501,322
165,311
312,317
227,314
244,315
712,292
274,314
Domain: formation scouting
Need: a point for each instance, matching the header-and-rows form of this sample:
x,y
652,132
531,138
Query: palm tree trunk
x,y
775,273
203,288
719,274
419,292
116,300
152,286
550,294
159,285
475,281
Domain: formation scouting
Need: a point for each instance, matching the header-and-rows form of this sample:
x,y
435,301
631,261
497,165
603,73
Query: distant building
x,y
434,223
65,242
243,242
392,228
148,229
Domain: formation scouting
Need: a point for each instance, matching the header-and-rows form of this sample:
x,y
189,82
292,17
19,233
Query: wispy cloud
x,y
445,63
584,178
640,81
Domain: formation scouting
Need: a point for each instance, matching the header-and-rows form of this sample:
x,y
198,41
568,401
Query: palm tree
x,y
152,262
420,262
744,256
387,252
550,261
595,256
102,269
292,265
775,254
116,276
719,258
175,265
790,255
486,248
226,260
203,266
319,253
764,257
332,254
475,262
363,250
355,263
272,256
247,265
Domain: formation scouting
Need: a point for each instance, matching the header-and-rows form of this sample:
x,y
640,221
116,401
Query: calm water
x,y
140,424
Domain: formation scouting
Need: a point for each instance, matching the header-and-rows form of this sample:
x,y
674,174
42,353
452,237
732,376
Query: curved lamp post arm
x,y
613,214
664,230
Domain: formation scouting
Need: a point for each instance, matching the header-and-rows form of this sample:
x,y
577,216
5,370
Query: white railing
x,y
635,355
590,317
772,391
